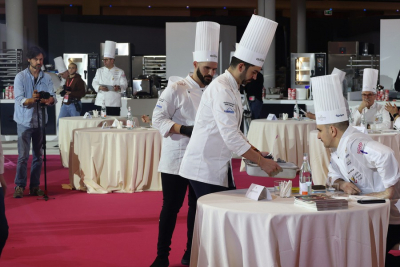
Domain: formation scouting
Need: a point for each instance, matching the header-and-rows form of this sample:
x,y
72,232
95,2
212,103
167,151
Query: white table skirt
x,y
320,156
292,140
68,124
118,160
232,230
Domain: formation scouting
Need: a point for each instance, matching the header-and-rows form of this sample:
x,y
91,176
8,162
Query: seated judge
x,y
394,112
368,108
359,165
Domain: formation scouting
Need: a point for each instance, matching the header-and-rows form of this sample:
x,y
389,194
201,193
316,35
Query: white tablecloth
x,y
320,156
292,140
118,160
68,124
232,230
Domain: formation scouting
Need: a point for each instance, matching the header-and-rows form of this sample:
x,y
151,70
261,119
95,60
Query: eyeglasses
x,y
106,59
367,95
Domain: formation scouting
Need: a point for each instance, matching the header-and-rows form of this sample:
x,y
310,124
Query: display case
x,y
10,65
156,65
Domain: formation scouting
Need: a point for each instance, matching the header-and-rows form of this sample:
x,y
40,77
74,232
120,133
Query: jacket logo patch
x,y
229,110
159,106
360,148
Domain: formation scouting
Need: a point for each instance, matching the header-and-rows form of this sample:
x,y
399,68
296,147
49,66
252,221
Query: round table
x,y
232,230
116,160
285,139
68,124
320,156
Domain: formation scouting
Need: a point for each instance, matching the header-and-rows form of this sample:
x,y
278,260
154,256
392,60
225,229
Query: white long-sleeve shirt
x,y
177,104
370,165
216,133
113,76
370,115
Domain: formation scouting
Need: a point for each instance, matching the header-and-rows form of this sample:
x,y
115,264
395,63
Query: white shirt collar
x,y
342,142
232,80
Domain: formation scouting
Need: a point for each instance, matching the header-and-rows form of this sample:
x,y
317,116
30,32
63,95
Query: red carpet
x,y
78,229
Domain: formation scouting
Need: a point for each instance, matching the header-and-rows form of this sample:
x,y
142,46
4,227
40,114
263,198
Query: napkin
x,y
115,123
285,189
95,113
120,123
285,116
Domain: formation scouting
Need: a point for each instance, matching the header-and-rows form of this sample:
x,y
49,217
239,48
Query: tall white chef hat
x,y
370,80
60,65
328,99
256,40
207,42
341,74
109,49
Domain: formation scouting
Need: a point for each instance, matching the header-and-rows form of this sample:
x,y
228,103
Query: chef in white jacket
x,y
369,108
174,116
359,164
109,82
216,134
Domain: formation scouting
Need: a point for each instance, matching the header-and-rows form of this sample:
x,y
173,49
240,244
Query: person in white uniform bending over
x,y
369,110
216,133
109,82
174,117
359,165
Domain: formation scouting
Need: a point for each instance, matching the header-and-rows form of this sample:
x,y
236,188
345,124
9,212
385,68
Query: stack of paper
x,y
320,202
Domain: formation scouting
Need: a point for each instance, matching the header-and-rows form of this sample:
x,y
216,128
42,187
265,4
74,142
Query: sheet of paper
x,y
271,117
87,115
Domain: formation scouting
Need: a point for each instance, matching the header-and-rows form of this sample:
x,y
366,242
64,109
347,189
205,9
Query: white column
x,y
266,8
15,24
298,26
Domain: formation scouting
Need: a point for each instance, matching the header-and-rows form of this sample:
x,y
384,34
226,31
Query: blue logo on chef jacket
x,y
229,110
159,106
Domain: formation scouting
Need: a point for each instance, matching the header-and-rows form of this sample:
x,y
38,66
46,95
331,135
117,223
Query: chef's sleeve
x,y
123,83
334,172
386,118
95,82
356,117
50,89
224,108
164,111
383,159
396,124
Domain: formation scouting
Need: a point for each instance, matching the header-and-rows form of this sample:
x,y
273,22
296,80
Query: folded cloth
x,y
115,123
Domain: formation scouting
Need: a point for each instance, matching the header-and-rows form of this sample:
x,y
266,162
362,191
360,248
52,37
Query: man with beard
x,y
27,85
174,117
216,132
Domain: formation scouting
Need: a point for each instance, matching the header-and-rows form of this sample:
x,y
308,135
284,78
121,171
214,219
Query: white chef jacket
x,y
370,115
397,124
370,165
177,104
216,133
113,76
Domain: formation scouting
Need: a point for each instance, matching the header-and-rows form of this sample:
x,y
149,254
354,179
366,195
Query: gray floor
x,y
10,148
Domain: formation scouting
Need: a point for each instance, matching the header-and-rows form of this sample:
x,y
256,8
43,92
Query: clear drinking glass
x,y
276,186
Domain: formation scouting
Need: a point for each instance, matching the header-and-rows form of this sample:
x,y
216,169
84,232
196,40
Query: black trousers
x,y
3,222
111,111
174,191
202,189
393,238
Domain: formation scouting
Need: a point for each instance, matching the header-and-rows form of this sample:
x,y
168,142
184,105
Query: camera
x,y
43,95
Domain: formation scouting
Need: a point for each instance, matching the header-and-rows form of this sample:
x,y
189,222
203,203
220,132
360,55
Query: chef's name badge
x,y
258,192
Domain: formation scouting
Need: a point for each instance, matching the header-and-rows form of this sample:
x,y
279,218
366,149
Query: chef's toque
x,y
256,40
207,42
341,74
370,80
60,65
109,49
328,100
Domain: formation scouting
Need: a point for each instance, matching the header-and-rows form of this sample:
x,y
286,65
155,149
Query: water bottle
x,y
296,112
129,119
103,110
305,177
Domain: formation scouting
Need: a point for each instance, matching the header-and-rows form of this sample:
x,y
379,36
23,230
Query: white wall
x,y
180,39
390,52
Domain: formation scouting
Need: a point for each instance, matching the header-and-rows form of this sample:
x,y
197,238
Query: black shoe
x,y
186,258
160,262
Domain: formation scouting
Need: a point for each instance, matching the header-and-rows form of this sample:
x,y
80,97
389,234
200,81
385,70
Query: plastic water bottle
x,y
305,177
103,110
296,112
129,119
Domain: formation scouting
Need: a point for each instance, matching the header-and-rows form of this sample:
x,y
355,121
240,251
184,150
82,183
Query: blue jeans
x,y
25,135
69,111
255,108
